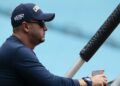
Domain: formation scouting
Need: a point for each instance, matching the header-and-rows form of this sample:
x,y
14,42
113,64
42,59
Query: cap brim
x,y
46,17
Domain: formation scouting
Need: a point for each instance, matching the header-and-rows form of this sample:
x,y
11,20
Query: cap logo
x,y
19,17
36,8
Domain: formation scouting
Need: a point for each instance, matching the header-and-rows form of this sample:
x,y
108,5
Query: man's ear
x,y
25,26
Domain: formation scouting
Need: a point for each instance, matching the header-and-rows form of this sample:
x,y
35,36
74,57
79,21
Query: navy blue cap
x,y
27,12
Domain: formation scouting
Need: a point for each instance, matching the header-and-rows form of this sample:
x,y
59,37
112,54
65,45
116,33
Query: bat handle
x,y
75,68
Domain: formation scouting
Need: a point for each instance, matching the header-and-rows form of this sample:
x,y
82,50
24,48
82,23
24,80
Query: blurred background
x,y
75,23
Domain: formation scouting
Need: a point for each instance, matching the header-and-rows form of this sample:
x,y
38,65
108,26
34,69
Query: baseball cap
x,y
27,12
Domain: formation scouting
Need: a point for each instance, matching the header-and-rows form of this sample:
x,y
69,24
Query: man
x,y
19,65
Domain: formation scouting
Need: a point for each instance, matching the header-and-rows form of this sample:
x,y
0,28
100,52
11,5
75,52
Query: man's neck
x,y
24,39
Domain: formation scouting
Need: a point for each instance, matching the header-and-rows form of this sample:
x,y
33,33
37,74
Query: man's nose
x,y
45,28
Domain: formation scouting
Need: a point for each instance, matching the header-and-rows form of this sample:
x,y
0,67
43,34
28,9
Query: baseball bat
x,y
97,40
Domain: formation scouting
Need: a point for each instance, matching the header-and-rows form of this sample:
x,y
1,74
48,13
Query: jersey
x,y
19,66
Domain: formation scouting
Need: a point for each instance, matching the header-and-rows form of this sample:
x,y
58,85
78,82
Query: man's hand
x,y
99,80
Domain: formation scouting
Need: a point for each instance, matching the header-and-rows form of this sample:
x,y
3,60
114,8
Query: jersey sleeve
x,y
31,72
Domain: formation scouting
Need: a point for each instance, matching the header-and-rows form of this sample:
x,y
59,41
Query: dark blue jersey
x,y
19,66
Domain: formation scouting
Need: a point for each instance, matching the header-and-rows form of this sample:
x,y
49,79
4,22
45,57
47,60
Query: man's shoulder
x,y
11,45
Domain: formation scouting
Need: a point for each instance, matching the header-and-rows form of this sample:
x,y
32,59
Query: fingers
x,y
105,82
104,79
99,80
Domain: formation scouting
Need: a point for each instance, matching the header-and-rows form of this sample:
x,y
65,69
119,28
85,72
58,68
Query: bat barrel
x,y
101,35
